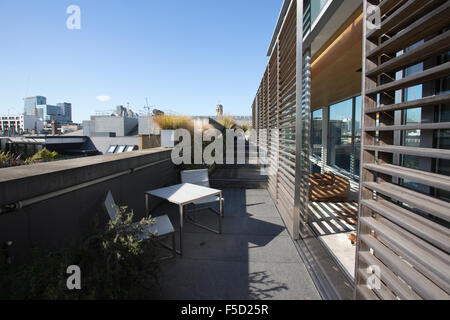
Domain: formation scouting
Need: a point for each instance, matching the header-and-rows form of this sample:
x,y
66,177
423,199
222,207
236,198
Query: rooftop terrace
x,y
254,258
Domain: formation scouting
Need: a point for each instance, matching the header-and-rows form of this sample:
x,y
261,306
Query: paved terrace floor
x,y
254,258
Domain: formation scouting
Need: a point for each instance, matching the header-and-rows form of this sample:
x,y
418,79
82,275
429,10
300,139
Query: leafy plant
x,y
9,160
44,155
116,263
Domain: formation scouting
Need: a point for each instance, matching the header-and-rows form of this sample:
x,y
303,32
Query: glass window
x,y
129,148
316,8
316,133
121,149
111,149
340,146
411,138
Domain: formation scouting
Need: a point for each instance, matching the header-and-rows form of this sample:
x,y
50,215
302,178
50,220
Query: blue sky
x,y
183,55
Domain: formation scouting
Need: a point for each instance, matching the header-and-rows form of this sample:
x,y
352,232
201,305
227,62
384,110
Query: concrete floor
x,y
254,258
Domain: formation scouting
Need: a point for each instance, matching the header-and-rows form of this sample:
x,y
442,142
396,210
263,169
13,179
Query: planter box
x,y
167,138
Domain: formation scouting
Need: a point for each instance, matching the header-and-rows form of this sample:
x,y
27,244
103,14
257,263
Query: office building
x,y
61,113
31,103
18,124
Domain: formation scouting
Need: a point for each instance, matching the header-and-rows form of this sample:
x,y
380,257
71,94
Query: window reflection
x,y
343,150
340,144
316,133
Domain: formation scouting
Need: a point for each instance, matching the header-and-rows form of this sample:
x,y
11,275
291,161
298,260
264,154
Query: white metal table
x,y
184,194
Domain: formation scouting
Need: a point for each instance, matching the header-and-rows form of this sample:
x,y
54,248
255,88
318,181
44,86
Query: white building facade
x,y
17,124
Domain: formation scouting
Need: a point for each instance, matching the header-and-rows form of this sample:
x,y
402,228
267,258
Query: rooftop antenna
x,y
147,106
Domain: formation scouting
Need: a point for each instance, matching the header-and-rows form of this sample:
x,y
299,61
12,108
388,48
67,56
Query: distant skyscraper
x,y
61,113
31,103
67,110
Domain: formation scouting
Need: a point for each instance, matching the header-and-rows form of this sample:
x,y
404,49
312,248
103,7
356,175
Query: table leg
x,y
181,229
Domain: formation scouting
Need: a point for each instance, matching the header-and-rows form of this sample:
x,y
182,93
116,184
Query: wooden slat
x,y
430,231
425,102
429,179
422,27
383,292
424,261
403,15
418,126
437,72
440,278
387,276
388,5
423,286
428,49
365,293
433,206
412,151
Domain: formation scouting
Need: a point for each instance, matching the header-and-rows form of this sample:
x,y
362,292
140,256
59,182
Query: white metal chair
x,y
200,177
162,227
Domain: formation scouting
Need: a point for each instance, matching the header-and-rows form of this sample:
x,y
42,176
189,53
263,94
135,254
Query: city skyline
x,y
122,55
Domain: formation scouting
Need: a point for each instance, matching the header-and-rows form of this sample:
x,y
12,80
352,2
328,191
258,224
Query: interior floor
x,y
334,224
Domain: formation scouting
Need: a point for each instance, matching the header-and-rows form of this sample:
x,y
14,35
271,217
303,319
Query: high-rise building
x,y
31,103
61,113
67,110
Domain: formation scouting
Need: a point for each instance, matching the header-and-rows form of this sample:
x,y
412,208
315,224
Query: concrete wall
x,y
110,124
121,126
147,126
53,222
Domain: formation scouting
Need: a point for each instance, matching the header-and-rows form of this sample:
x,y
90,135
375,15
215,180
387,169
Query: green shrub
x,y
44,155
115,265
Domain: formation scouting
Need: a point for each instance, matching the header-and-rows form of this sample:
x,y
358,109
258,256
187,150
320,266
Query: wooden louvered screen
x,y
405,184
287,102
276,115
254,113
273,123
